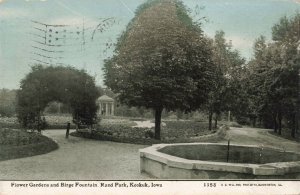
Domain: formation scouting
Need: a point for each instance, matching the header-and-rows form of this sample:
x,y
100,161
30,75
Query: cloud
x,y
124,4
295,1
12,13
68,8
288,1
76,20
239,42
34,0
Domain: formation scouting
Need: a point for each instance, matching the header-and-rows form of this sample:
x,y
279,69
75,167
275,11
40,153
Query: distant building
x,y
106,105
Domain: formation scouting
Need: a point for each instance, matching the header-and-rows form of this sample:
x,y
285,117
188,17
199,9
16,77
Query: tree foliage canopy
x,y
63,84
162,60
273,75
225,92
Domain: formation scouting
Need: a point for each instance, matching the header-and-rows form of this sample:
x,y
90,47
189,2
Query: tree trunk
x,y
275,123
216,121
279,123
158,112
77,123
260,122
297,125
210,120
293,133
178,114
39,123
254,121
229,116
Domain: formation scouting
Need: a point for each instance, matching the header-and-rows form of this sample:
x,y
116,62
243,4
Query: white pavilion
x,y
106,105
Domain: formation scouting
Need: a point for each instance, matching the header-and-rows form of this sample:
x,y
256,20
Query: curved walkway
x,y
77,159
253,136
85,159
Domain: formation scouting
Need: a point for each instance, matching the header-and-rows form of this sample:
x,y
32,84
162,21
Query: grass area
x,y
286,133
15,143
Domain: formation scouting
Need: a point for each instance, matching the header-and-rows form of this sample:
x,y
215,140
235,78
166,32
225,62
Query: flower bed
x,y
186,129
114,121
9,122
14,137
16,143
127,134
172,129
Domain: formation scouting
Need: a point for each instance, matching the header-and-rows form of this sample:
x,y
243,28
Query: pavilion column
x,y
106,111
100,108
112,108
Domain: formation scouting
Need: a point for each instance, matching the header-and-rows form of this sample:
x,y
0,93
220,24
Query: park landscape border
x,y
220,134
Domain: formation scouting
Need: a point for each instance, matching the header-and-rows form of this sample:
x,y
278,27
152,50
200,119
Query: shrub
x,y
7,110
242,120
149,134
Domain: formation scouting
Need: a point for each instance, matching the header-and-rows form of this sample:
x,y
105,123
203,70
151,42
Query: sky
x,y
81,33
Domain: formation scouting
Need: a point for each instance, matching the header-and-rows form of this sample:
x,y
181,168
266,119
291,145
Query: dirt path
x,y
253,136
77,158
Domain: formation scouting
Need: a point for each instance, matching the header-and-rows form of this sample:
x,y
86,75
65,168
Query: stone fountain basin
x,y
209,161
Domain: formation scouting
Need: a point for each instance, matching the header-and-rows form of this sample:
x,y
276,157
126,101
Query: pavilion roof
x,y
105,98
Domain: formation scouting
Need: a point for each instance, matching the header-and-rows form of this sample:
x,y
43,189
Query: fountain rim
x,y
276,168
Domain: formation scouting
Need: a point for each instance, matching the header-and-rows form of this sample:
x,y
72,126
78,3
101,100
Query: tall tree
x,y
274,75
286,35
258,72
228,64
162,61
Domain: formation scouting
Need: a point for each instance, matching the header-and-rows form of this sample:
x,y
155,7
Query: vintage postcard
x,y
150,96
